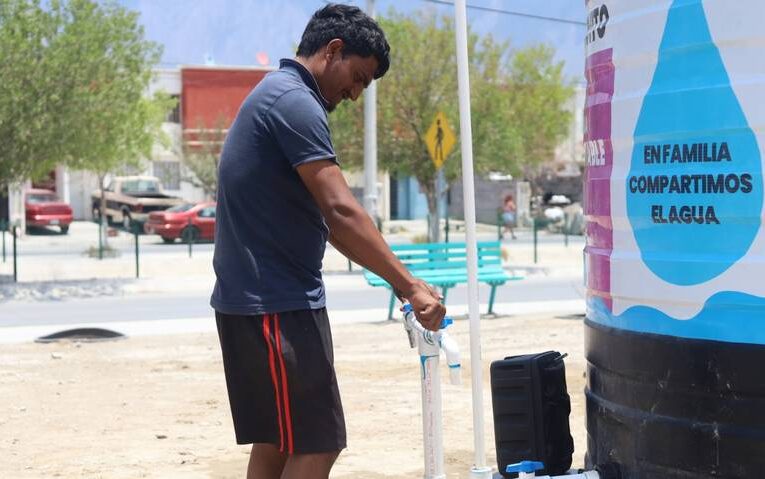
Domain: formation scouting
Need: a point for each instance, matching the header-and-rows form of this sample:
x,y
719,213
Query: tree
x,y
31,97
75,76
201,155
539,99
423,80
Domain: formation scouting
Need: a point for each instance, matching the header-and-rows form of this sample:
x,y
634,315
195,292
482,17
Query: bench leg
x,y
390,305
491,298
444,290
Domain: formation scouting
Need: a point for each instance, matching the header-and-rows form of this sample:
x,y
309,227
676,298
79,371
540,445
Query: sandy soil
x,y
157,406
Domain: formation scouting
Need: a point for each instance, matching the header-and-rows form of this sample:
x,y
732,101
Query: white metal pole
x,y
479,470
429,346
370,140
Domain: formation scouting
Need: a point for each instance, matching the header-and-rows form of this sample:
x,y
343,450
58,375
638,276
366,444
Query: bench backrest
x,y
423,256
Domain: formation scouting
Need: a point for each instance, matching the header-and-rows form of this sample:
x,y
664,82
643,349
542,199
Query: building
x,y
208,101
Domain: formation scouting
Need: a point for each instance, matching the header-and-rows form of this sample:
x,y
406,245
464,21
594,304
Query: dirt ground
x,y
157,406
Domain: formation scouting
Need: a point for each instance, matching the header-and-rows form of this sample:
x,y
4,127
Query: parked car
x,y
188,221
44,208
131,198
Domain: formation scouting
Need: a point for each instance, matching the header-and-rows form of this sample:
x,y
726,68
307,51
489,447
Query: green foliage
x,y
201,157
75,74
518,103
421,82
539,97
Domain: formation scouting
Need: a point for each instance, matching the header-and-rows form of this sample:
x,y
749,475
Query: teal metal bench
x,y
445,265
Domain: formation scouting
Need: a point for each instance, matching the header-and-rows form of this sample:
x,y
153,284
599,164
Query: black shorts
x,y
281,380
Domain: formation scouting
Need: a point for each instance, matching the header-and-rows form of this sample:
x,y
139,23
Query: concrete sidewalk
x,y
133,328
61,259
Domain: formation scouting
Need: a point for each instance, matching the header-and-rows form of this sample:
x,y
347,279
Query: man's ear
x,y
334,48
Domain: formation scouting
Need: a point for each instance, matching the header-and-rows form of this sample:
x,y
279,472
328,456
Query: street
x,y
345,292
60,288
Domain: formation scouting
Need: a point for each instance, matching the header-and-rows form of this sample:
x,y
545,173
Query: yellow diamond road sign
x,y
440,139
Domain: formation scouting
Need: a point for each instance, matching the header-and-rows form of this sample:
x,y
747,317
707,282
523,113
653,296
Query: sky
x,y
235,32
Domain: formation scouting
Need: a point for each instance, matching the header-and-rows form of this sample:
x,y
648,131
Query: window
x,y
180,208
208,212
36,198
140,186
174,115
169,174
129,186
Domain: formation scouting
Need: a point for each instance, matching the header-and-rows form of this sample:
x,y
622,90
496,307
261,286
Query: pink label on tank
x,y
599,156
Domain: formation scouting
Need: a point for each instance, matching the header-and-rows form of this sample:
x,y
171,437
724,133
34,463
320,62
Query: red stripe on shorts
x,y
272,365
285,390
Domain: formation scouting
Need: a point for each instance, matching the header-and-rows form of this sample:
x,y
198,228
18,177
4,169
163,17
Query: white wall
x,y
167,80
355,179
81,185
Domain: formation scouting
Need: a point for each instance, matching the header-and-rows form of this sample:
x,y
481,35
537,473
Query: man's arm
x,y
360,261
353,234
342,249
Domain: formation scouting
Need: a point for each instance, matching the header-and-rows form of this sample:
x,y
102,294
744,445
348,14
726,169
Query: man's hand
x,y
426,304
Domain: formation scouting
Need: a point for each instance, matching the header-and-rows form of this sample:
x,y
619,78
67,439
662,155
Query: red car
x,y
188,220
44,208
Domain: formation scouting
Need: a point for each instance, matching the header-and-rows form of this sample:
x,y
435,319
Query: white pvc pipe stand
x,y
429,346
432,425
479,469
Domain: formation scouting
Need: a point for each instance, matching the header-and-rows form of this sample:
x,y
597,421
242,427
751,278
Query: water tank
x,y
674,260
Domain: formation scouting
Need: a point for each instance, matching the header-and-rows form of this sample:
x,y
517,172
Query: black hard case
x,y
531,408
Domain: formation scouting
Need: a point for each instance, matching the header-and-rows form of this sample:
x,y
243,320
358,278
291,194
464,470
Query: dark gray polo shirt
x,y
270,235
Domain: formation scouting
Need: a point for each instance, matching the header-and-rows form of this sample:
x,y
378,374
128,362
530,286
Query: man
x,y
281,196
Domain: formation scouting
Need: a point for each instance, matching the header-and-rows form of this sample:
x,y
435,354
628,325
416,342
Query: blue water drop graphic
x,y
689,116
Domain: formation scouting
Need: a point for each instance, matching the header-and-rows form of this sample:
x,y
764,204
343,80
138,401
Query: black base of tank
x,y
664,407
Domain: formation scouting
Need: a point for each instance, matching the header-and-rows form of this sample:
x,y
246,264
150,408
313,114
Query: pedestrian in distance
x,y
509,211
281,197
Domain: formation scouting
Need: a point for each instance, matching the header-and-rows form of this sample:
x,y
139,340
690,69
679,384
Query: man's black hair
x,y
361,35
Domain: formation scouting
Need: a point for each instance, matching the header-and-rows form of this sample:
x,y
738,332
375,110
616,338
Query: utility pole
x,y
370,140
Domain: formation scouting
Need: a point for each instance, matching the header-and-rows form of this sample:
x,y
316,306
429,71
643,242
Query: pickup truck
x,y
131,198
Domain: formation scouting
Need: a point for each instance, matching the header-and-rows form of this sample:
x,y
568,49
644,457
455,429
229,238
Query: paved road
x,y
187,310
344,293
